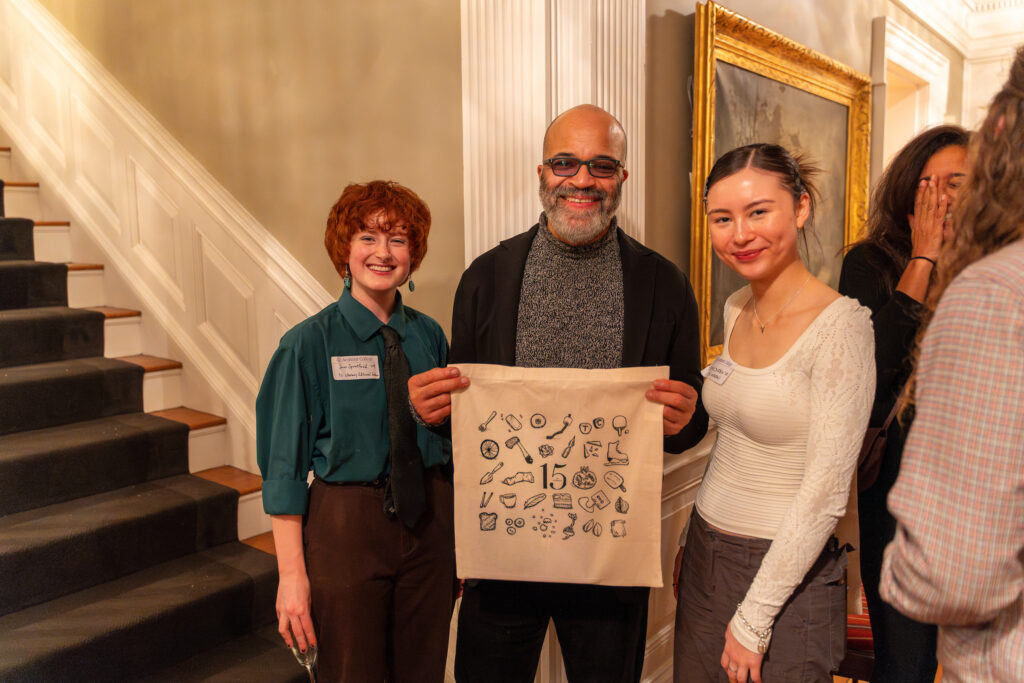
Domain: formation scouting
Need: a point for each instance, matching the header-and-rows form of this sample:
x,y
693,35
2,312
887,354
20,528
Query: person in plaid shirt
x,y
957,559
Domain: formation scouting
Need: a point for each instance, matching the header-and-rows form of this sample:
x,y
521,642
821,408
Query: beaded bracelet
x,y
923,258
762,634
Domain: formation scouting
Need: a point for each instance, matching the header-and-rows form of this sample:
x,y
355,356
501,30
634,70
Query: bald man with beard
x,y
573,291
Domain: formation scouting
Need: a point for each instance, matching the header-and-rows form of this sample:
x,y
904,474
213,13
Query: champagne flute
x,y
307,659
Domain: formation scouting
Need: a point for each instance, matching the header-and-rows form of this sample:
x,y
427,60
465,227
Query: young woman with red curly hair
x,y
366,552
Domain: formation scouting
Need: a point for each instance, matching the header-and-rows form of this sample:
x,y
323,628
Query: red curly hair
x,y
361,201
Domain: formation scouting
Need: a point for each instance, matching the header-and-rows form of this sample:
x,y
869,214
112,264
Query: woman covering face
x,y
761,586
366,552
890,271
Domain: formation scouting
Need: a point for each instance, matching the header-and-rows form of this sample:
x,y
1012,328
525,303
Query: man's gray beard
x,y
573,231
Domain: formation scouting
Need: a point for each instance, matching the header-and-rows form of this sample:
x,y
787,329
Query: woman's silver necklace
x,y
778,312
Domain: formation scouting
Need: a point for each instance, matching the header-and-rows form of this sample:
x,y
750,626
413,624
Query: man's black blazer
x,y
660,326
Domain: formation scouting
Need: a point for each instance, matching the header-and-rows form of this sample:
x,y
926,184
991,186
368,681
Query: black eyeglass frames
x,y
599,167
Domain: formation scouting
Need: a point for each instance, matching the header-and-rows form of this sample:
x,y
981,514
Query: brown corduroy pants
x,y
382,594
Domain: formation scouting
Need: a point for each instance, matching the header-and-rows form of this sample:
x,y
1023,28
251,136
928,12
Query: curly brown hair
x,y
362,201
989,213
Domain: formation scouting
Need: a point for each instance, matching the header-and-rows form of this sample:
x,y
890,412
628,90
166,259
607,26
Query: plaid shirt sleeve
x,y
956,559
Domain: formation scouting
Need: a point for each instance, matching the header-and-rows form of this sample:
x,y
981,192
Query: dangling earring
x,y
412,285
348,279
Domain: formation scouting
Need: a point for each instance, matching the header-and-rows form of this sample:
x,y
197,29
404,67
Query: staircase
x,y
116,563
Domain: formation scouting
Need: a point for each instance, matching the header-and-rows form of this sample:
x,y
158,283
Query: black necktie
x,y
406,484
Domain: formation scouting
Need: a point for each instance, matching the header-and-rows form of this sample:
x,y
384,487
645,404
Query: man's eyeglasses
x,y
599,167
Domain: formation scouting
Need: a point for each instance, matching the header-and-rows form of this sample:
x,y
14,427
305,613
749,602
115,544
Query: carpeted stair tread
x,y
16,239
258,656
61,392
49,333
47,466
51,551
29,284
141,623
264,542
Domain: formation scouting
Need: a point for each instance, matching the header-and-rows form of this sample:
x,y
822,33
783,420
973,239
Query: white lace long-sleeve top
x,y
788,439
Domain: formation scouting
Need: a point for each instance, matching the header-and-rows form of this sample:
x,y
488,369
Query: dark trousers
x,y
904,648
809,637
602,631
382,594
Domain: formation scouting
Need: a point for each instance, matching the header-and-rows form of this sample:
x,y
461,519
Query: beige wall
x,y
840,30
285,102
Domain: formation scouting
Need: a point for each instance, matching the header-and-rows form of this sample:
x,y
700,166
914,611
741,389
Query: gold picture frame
x,y
774,85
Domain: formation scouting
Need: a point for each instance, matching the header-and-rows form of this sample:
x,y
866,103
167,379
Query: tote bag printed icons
x,y
558,475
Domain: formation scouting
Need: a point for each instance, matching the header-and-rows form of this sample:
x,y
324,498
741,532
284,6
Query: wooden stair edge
x,y
111,312
21,183
72,266
232,477
52,224
264,542
195,419
152,363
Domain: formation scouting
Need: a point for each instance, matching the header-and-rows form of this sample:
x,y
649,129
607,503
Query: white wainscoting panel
x,y
155,226
226,309
6,48
46,104
95,161
220,287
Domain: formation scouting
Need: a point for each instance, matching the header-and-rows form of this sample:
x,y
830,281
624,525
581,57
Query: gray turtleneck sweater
x,y
571,303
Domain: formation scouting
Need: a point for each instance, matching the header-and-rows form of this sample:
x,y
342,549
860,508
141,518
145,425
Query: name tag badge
x,y
355,367
719,371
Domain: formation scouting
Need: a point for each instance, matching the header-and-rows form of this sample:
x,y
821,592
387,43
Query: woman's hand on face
x,y
675,573
293,611
430,393
928,219
739,662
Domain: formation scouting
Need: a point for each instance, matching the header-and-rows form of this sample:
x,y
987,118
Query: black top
x,y
896,317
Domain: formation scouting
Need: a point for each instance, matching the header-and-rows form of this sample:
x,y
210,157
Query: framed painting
x,y
753,85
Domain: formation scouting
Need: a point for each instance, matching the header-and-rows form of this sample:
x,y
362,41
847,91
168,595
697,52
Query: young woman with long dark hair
x,y
890,271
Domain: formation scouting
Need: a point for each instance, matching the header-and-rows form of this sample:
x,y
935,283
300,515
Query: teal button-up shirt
x,y
320,408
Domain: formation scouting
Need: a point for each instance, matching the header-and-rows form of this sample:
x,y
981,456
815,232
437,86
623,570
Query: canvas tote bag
x,y
558,475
